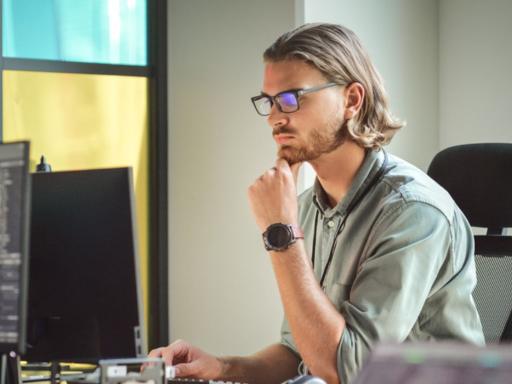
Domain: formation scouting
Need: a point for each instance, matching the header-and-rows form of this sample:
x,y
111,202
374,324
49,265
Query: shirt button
x,y
330,223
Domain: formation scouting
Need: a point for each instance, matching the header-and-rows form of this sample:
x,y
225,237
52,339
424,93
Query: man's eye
x,y
288,99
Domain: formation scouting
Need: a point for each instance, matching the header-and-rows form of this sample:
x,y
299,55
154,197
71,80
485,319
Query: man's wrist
x,y
279,236
229,370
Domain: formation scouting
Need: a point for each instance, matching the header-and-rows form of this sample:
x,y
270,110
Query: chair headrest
x,y
479,178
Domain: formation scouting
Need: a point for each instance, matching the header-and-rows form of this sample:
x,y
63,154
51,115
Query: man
x,y
386,255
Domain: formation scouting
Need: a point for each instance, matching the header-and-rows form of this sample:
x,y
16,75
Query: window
x,y
80,81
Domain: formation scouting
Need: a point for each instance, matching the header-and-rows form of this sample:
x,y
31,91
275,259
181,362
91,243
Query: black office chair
x,y
479,178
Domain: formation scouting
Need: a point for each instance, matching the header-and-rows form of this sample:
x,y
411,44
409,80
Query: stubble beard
x,y
318,144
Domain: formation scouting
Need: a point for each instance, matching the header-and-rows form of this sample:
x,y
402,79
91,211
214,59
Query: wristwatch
x,y
279,237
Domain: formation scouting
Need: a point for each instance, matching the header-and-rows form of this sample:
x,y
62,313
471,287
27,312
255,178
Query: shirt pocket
x,y
338,293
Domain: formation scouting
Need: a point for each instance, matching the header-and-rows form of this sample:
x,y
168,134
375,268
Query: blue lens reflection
x,y
287,101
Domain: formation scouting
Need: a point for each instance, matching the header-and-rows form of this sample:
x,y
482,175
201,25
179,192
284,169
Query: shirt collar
x,y
371,165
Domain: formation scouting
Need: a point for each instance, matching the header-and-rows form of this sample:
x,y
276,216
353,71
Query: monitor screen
x,y
14,200
84,297
446,362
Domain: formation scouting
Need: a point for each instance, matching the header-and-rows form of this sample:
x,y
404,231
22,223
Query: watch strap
x,y
297,232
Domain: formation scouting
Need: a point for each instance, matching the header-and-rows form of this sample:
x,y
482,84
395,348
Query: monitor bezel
x,y
20,346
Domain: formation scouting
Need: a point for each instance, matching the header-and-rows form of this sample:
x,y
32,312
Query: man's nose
x,y
277,118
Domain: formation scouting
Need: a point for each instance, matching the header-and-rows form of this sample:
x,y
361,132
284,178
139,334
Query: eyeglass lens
x,y
263,105
287,101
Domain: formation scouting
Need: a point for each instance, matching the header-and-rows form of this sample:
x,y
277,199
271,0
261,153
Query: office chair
x,y
479,178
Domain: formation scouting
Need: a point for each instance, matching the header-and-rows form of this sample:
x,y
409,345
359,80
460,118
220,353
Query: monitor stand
x,y
10,371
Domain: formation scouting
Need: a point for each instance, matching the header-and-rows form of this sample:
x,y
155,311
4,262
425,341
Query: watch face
x,y
279,236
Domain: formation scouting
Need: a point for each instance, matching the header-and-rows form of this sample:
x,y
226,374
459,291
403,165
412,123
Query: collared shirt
x,y
403,266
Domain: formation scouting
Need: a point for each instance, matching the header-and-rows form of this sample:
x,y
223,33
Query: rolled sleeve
x,y
406,250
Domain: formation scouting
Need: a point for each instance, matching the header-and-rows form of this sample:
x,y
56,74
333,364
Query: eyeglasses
x,y
286,101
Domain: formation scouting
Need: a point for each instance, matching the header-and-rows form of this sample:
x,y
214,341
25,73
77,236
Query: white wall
x,y
475,73
401,38
223,296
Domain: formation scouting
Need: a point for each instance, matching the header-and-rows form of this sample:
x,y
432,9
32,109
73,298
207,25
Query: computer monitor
x,y
447,362
14,217
84,297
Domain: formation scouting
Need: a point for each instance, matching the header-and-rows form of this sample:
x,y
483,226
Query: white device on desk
x,y
119,371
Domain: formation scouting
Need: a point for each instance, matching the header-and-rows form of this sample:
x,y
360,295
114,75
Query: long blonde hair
x,y
337,52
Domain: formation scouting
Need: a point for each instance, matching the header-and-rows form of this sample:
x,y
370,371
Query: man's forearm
x,y
274,364
315,323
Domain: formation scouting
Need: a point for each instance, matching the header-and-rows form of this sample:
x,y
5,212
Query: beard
x,y
318,143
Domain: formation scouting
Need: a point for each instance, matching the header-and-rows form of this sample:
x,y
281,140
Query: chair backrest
x,y
479,178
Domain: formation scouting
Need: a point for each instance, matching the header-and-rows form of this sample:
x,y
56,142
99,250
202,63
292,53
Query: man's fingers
x,y
176,352
282,165
169,353
154,353
168,356
157,352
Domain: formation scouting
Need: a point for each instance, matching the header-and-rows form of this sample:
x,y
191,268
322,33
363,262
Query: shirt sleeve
x,y
405,252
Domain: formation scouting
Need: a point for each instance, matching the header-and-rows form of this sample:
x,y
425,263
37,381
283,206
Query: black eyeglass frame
x,y
296,92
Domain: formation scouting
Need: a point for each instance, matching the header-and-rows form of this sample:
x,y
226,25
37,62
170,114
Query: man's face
x,y
316,128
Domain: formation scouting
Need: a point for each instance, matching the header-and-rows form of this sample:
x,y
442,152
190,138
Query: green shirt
x,y
403,266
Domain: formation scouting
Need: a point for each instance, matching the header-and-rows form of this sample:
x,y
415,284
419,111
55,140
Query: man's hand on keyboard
x,y
189,361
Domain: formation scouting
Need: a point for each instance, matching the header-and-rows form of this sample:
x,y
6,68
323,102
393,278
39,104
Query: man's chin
x,y
290,155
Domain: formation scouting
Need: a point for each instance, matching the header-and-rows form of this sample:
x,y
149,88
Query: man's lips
x,y
283,139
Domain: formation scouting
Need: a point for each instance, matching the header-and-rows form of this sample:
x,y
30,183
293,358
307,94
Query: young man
x,y
375,251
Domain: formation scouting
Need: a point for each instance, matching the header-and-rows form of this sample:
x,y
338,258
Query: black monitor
x,y
14,216
84,297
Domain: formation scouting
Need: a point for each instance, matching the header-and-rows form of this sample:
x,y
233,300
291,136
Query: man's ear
x,y
354,96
